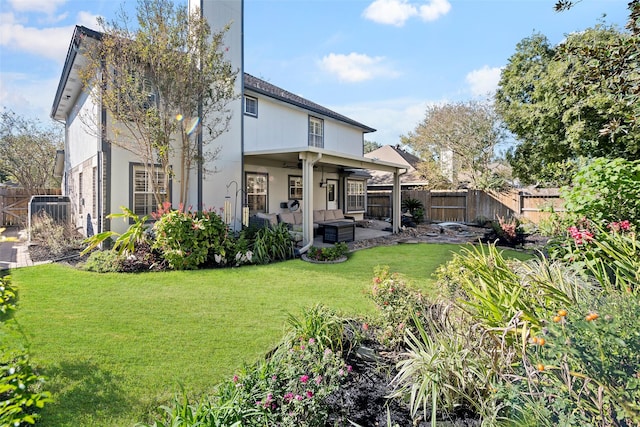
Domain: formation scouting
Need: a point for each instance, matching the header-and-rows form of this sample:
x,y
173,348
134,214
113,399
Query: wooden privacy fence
x,y
471,205
14,205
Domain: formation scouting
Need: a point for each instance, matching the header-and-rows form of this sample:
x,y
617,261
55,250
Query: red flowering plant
x,y
610,254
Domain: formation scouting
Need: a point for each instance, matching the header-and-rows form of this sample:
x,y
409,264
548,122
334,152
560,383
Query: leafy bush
x,y
106,261
584,369
337,251
396,301
272,244
610,255
319,323
188,240
607,190
21,394
8,297
508,230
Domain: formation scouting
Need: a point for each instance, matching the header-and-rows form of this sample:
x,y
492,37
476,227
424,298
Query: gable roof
x,y
395,154
69,87
265,88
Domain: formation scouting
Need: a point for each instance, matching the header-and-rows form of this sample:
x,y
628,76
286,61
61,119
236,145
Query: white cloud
x,y
356,67
44,6
397,12
434,10
391,117
392,12
28,95
51,43
89,20
484,81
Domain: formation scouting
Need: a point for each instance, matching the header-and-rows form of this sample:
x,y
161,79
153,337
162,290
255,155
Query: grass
x,y
115,346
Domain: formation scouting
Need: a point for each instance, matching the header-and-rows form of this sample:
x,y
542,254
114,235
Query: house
x,y
279,147
383,180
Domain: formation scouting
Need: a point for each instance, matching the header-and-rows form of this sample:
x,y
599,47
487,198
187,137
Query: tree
x,y
28,151
578,99
370,146
166,87
460,138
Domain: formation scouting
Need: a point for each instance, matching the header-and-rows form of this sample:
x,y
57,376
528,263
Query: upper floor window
x,y
251,106
316,132
144,181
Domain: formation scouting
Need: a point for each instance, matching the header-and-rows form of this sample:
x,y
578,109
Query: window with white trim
x,y
251,106
316,132
144,181
257,192
356,195
295,187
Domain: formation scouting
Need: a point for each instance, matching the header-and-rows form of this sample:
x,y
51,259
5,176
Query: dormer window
x,y
251,106
316,132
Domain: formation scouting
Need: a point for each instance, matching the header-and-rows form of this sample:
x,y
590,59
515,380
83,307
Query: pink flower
x,y
311,341
304,378
318,379
274,377
298,397
235,378
302,347
309,394
349,368
288,397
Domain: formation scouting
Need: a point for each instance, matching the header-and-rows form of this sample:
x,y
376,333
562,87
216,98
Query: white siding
x,y
280,126
228,165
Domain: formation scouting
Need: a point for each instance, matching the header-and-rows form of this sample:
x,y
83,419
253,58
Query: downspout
x,y
307,202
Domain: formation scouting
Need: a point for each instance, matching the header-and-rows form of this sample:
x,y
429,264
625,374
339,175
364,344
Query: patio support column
x,y
308,160
396,196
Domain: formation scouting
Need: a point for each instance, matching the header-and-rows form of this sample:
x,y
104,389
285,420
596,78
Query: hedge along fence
x,y
471,205
14,204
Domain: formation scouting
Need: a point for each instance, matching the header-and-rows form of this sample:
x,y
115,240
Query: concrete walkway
x,y
14,254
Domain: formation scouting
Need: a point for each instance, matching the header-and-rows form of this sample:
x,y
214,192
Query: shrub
x,y
188,240
21,394
584,369
509,231
337,251
396,301
8,298
106,261
605,191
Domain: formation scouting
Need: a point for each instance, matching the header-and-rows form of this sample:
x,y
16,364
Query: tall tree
x,y
370,146
577,99
28,151
166,85
460,138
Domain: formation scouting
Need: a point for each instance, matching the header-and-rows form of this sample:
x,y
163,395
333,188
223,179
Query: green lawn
x,y
115,346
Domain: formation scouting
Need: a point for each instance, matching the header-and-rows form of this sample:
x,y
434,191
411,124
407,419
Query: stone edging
x,y
315,261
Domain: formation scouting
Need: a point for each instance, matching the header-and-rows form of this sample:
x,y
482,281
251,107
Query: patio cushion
x,y
337,214
297,216
287,217
273,218
318,215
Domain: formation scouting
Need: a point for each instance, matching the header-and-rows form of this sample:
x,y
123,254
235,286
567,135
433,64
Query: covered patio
x,y
323,161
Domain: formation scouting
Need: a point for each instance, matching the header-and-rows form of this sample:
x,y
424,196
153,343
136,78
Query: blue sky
x,y
380,62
